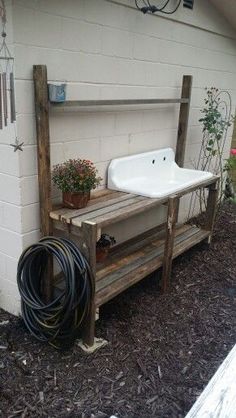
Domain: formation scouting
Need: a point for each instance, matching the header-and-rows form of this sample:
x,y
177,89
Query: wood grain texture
x,y
218,400
43,146
211,208
173,206
115,206
89,239
44,169
183,120
137,262
86,105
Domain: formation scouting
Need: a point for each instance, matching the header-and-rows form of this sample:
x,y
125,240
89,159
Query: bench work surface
x,y
109,206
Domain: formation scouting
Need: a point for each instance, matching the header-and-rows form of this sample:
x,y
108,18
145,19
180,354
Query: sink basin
x,y
153,174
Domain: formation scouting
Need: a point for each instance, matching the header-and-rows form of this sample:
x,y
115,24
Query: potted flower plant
x,y
75,178
102,247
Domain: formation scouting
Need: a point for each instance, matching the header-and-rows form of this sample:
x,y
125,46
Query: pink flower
x,y
233,151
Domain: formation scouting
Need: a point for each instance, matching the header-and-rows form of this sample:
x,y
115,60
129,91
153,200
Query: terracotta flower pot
x,y
75,200
101,254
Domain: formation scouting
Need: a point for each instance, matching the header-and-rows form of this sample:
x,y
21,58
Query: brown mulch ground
x,y
162,350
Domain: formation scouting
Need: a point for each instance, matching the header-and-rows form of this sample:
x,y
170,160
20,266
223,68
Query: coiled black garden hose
x,y
60,321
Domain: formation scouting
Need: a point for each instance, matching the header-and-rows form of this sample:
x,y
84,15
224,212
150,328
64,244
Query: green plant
x,y
216,120
75,175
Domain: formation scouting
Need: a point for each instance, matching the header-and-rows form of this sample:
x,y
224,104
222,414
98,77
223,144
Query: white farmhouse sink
x,y
153,174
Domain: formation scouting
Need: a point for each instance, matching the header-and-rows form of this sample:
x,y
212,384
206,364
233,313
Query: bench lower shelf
x,y
130,263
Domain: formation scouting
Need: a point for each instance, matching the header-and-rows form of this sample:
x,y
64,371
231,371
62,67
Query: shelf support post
x,y
89,244
183,120
44,170
211,208
173,205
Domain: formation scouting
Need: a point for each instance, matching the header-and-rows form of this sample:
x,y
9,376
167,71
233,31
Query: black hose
x,y
61,320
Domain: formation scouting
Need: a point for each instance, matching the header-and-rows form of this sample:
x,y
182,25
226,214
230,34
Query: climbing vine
x,y
216,120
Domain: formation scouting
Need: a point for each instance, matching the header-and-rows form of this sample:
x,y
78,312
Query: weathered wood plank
x,y
108,211
147,203
122,256
126,212
218,399
211,208
43,154
172,214
92,210
43,145
86,104
89,248
76,217
138,256
131,274
98,199
183,120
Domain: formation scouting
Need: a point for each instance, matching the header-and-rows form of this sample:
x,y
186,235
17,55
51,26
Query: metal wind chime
x,y
7,89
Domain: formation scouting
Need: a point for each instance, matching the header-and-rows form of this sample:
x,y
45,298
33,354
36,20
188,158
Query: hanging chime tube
x,y
12,98
4,89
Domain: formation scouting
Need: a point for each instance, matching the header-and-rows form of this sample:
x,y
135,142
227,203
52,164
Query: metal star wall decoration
x,y
17,146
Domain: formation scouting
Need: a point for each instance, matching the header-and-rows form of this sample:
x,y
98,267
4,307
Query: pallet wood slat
x,y
108,215
153,248
86,105
64,214
141,268
110,210
121,256
218,398
183,119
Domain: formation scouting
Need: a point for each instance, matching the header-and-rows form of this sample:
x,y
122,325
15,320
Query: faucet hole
x,y
164,158
153,161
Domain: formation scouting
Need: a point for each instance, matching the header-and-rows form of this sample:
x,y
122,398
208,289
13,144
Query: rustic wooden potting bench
x,y
136,258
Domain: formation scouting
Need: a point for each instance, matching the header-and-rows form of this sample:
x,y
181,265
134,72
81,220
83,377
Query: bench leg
x,y
89,330
173,205
211,208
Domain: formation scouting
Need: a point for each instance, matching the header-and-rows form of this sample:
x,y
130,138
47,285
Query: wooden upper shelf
x,y
86,105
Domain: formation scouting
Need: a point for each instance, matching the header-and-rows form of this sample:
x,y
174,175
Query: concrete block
x,y
26,128
2,265
11,218
11,269
128,122
24,91
32,27
81,36
117,43
88,149
114,147
152,140
57,154
9,160
29,190
9,297
30,218
28,161
30,238
10,189
10,243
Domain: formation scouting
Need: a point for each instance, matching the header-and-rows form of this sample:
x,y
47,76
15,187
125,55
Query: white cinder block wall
x,y
103,49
